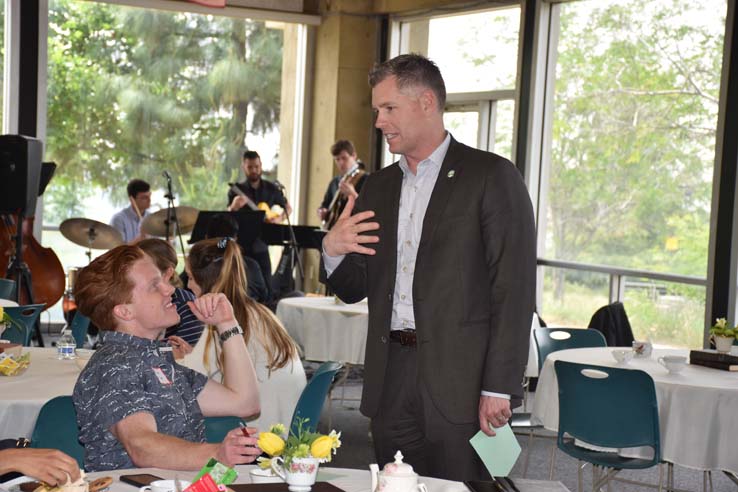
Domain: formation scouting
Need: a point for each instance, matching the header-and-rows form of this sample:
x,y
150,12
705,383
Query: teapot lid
x,y
398,468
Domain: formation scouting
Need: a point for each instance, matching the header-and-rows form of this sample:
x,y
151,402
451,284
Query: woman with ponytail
x,y
216,265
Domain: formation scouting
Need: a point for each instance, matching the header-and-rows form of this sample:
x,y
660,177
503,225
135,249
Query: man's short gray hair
x,y
411,70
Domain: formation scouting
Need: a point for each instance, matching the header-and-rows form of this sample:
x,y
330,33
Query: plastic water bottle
x,y
66,346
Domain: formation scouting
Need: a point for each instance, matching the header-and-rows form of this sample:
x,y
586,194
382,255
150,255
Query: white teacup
x,y
164,486
642,349
258,475
673,363
622,355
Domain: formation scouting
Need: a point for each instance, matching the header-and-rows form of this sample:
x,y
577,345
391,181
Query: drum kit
x,y
92,234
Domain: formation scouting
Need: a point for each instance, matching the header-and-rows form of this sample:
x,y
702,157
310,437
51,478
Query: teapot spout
x,y
374,470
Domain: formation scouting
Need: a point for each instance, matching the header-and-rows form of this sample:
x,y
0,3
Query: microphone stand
x,y
294,256
172,215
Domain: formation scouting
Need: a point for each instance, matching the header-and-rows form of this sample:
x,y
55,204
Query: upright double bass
x,y
47,273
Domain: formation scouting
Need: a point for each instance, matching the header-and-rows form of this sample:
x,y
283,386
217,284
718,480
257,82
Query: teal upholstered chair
x,y
56,428
25,318
549,340
80,323
312,398
216,428
607,407
553,339
7,288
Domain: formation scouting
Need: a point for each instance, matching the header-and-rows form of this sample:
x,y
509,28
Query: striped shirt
x,y
189,327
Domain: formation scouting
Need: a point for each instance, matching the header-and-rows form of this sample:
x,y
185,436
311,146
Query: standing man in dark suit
x,y
443,245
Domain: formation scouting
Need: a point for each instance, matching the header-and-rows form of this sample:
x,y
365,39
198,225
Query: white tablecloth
x,y
324,329
697,407
344,478
7,303
21,397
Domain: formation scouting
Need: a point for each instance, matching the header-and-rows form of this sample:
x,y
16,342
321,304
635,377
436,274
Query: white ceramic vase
x,y
300,474
723,344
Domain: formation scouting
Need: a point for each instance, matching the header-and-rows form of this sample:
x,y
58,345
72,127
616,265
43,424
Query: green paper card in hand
x,y
498,453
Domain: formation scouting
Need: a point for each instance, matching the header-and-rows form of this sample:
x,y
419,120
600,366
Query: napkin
x,y
498,453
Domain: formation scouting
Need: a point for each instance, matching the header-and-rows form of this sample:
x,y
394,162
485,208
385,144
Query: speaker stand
x,y
18,270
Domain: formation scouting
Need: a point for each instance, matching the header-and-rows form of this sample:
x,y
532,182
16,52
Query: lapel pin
x,y
451,174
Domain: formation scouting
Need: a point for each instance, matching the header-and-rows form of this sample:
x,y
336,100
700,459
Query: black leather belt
x,y
406,338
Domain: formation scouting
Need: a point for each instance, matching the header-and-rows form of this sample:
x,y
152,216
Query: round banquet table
x,y
347,479
325,329
697,407
21,397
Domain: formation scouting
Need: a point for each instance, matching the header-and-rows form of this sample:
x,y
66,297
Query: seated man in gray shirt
x,y
135,406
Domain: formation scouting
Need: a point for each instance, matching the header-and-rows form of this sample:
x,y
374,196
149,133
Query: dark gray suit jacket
x,y
474,282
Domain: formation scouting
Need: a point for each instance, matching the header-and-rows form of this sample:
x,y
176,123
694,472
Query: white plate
x,y
13,485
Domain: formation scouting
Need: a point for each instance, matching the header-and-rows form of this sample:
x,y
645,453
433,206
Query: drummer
x,y
128,221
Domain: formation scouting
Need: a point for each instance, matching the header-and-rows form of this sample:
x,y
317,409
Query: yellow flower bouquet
x,y
303,444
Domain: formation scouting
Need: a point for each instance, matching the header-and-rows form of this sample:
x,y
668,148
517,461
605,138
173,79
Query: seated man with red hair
x,y
135,406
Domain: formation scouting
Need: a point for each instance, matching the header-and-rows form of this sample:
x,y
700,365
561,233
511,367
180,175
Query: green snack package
x,y
220,473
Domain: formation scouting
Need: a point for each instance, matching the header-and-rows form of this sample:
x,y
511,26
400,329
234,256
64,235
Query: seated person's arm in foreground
x,y
49,465
239,393
149,448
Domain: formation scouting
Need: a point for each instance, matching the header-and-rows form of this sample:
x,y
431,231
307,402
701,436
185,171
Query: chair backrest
x,y
311,400
25,316
216,428
7,288
607,406
80,323
56,428
552,339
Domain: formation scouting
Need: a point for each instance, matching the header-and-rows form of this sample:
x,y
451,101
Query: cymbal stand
x,y
172,215
18,270
91,236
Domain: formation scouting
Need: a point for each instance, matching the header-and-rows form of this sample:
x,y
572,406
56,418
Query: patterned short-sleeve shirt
x,y
125,376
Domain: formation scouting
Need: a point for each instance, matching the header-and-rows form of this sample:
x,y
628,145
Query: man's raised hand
x,y
345,236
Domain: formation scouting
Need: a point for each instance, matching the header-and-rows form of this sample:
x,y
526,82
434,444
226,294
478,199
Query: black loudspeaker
x,y
20,172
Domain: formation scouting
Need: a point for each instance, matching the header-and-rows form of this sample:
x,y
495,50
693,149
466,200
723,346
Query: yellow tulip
x,y
270,443
322,447
2,314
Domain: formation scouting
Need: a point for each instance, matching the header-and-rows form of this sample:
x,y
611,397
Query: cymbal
x,y
156,223
91,233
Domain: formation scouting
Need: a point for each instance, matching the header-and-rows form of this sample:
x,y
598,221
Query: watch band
x,y
236,330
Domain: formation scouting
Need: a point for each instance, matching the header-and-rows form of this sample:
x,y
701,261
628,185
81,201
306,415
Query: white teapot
x,y
395,477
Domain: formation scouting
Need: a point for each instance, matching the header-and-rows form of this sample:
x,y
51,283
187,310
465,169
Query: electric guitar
x,y
338,202
270,216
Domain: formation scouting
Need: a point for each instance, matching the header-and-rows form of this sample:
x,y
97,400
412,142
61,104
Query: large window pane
x,y
505,112
667,314
2,57
133,92
476,51
570,297
463,125
635,113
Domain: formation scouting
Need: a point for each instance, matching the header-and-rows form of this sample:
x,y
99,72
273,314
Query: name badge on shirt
x,y
163,379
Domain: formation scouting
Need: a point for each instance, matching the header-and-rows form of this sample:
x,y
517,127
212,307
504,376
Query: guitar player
x,y
348,183
253,192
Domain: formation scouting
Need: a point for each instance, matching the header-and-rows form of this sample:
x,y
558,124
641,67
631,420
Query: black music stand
x,y
249,226
293,238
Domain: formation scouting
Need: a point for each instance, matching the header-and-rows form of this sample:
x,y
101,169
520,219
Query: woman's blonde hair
x,y
216,265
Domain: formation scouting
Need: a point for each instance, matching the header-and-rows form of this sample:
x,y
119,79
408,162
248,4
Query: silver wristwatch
x,y
236,330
